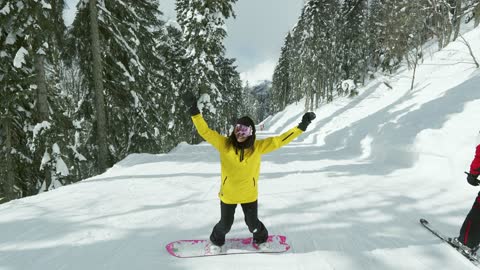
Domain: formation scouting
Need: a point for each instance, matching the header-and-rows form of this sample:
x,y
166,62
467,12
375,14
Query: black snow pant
x,y
250,211
470,231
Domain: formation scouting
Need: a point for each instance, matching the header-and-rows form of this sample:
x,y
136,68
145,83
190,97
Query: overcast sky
x,y
255,36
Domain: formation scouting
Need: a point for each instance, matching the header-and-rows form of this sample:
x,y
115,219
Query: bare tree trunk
x,y
42,96
470,50
101,124
414,72
457,18
437,23
476,14
447,24
441,31
318,92
10,179
312,101
307,98
442,23
324,88
43,110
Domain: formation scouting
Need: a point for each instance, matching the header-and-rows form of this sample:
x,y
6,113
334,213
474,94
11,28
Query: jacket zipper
x,y
254,182
287,136
223,184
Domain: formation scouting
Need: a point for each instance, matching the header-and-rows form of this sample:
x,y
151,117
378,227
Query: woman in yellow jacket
x,y
240,155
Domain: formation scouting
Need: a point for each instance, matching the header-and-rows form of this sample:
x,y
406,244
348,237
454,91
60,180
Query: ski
x,y
473,258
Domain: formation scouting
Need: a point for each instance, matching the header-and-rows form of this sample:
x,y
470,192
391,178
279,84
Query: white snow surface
x,y
348,193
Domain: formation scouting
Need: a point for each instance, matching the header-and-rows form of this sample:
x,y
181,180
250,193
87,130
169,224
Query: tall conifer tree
x,y
130,65
203,25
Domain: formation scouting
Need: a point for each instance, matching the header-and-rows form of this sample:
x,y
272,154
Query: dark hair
x,y
249,143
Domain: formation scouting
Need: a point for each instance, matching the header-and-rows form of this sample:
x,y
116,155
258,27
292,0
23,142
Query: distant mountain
x,y
261,93
262,88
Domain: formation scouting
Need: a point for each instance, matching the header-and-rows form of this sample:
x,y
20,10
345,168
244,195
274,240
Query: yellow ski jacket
x,y
239,181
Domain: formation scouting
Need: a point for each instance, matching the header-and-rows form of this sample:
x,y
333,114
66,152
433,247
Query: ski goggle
x,y
243,131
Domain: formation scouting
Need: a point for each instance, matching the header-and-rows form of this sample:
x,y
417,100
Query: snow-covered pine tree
x,y
17,90
85,40
319,53
376,33
128,34
249,101
172,112
203,26
231,88
15,112
282,92
148,68
386,33
391,27
77,124
39,29
49,137
294,49
353,40
298,68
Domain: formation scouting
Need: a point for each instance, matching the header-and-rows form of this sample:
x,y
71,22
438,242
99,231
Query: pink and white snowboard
x,y
200,248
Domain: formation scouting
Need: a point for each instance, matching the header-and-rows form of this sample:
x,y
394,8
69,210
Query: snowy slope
x,y
348,193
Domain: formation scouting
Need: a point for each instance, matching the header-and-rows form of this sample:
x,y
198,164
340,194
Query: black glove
x,y
472,179
306,120
191,102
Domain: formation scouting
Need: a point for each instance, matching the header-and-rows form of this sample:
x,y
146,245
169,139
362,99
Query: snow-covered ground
x,y
348,193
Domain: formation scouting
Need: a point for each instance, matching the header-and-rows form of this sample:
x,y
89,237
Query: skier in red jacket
x,y
469,237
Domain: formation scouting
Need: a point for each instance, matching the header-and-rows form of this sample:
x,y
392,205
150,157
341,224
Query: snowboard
x,y
200,248
473,258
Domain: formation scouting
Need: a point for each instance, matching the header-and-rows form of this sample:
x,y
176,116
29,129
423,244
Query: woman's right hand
x,y
191,102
